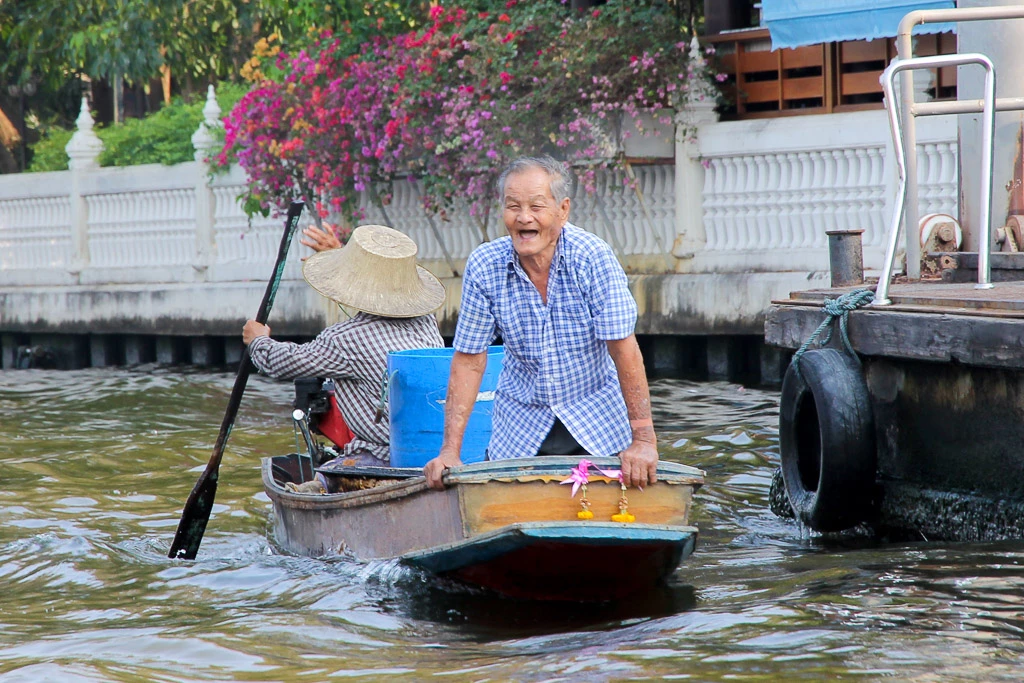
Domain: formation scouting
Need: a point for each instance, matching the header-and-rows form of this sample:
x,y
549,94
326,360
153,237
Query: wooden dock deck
x,y
943,366
927,320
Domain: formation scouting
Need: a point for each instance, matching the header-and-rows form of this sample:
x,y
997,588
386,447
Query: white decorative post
x,y
698,109
83,150
924,79
204,142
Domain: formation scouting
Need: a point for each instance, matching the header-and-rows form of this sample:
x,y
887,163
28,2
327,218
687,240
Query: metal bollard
x,y
846,257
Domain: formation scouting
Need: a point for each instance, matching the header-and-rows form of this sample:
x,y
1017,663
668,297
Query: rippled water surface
x,y
97,465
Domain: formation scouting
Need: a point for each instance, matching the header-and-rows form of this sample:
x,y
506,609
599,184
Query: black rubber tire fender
x,y
827,441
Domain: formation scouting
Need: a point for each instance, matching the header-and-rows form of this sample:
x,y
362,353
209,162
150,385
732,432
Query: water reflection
x,y
485,616
97,464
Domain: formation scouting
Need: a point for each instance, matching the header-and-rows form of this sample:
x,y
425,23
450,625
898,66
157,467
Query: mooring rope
x,y
837,308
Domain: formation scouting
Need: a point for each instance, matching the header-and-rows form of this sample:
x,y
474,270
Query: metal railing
x,y
905,50
904,152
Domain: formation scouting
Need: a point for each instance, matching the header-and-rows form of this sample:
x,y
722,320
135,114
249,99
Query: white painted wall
x,y
774,186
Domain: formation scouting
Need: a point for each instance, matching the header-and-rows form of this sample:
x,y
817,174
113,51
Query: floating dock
x,y
944,369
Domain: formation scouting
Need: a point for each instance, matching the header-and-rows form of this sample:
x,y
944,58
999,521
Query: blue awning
x,y
793,23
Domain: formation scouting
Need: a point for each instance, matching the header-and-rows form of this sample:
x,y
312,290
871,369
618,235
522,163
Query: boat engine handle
x,y
299,417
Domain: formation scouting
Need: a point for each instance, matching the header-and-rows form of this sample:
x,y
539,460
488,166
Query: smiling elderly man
x,y
573,380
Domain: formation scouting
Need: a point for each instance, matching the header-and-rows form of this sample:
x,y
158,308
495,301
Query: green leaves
x,y
207,39
164,137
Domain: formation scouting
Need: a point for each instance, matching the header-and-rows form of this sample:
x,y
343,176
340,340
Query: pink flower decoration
x,y
611,474
578,476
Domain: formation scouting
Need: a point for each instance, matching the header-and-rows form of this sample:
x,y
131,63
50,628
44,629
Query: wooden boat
x,y
505,525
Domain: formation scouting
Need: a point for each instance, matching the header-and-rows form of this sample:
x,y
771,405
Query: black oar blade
x,y
194,517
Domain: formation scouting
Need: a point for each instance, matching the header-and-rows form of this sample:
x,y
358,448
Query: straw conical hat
x,y
376,272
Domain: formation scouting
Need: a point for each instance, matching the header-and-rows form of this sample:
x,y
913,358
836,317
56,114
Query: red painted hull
x,y
573,572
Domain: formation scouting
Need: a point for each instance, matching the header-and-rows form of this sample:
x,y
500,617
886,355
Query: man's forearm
x,y
463,385
640,459
629,364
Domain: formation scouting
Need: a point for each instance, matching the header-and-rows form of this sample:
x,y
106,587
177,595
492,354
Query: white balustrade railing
x,y
35,233
245,249
773,187
141,224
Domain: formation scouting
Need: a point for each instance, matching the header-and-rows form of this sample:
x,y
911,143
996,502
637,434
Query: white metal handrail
x,y
905,50
904,151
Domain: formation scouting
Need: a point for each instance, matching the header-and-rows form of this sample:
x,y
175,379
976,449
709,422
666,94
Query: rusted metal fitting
x,y
846,257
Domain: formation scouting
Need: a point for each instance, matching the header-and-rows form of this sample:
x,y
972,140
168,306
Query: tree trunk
x,y
8,164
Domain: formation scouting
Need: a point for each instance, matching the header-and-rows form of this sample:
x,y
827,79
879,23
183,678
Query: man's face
x,y
532,216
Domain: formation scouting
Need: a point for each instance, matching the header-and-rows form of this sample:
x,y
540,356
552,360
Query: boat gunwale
x,y
550,469
345,499
558,466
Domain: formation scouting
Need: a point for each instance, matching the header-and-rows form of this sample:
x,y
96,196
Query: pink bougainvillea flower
x,y
441,102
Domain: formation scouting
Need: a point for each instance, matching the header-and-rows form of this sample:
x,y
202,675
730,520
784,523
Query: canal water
x,y
97,464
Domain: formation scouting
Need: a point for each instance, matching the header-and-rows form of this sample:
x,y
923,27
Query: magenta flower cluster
x,y
453,102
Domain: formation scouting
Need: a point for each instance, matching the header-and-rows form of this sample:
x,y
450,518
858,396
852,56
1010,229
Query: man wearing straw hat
x,y
573,379
375,274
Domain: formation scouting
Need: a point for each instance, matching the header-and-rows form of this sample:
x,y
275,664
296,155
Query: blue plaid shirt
x,y
556,360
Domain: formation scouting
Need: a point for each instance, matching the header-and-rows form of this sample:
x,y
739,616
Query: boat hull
x,y
508,526
559,561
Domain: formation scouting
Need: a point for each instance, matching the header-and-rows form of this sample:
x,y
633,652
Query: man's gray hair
x,y
562,179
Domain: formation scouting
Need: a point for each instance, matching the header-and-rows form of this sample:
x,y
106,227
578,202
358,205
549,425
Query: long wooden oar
x,y
200,502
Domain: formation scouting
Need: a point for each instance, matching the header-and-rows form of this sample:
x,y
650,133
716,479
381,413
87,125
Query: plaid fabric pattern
x,y
556,359
354,354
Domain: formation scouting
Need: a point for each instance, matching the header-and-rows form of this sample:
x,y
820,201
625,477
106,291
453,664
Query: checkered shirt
x,y
354,354
556,360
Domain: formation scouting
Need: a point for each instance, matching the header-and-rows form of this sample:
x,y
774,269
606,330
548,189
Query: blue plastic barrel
x,y
417,389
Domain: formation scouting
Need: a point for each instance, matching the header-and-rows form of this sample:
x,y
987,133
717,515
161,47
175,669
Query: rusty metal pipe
x,y
846,257
965,106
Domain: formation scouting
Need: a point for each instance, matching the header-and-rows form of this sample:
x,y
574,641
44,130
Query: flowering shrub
x,y
453,102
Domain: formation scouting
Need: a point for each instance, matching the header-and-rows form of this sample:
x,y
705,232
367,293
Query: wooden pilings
x,y
744,359
76,351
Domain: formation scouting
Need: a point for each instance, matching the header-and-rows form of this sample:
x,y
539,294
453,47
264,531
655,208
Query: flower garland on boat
x,y
579,477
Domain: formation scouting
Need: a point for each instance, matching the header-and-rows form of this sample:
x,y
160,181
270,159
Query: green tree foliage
x,y
164,137
59,39
204,39
55,44
48,154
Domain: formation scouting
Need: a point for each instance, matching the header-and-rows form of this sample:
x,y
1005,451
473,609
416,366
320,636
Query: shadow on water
x,y
485,616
